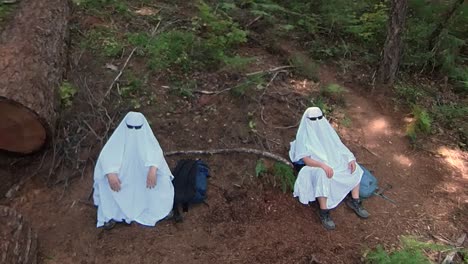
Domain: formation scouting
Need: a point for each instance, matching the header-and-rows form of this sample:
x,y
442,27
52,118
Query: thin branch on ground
x,y
118,75
253,21
270,70
229,151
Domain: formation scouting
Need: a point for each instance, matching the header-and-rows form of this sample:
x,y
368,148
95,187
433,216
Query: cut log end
x,y
21,130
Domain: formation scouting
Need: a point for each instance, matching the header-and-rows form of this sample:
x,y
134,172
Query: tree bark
x,y
393,44
32,62
18,242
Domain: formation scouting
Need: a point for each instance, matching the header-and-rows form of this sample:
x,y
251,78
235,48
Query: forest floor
x,y
249,219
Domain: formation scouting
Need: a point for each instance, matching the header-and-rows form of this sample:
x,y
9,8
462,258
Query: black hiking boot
x,y
109,225
326,220
356,206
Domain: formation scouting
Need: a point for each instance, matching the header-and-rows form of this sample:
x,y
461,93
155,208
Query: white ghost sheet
x,y
130,152
318,140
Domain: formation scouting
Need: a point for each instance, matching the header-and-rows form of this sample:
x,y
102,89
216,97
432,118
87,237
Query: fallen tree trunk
x,y
18,242
32,62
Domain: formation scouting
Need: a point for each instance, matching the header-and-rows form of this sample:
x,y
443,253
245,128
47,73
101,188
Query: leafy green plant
x,y
170,50
450,115
410,94
286,175
5,11
252,81
260,168
321,102
184,88
421,123
334,92
411,252
131,87
98,6
66,91
305,67
103,41
346,121
236,63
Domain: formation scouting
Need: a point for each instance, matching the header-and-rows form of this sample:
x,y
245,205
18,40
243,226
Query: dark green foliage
x,y
411,252
305,67
252,81
421,123
406,256
120,7
286,176
170,50
207,45
184,88
103,41
5,10
260,168
410,94
334,92
281,172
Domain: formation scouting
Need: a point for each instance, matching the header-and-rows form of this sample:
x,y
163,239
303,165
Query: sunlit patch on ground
x,y
457,159
403,160
379,126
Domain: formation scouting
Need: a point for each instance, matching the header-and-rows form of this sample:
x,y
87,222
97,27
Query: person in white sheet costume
x,y
330,170
132,181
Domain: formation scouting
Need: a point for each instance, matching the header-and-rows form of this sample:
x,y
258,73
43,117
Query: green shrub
x,y
66,91
406,256
450,115
421,123
411,252
305,67
118,6
5,11
410,94
286,175
334,92
252,81
184,88
103,41
321,102
260,168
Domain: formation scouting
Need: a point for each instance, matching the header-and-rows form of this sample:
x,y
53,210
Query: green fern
x,y
286,175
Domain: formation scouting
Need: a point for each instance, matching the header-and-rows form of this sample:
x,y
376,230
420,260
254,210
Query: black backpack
x,y
190,182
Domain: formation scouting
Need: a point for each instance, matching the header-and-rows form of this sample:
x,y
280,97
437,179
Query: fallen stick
x,y
270,70
120,74
371,152
227,151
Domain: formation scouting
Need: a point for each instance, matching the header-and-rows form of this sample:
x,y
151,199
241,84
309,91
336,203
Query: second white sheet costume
x,y
130,152
318,140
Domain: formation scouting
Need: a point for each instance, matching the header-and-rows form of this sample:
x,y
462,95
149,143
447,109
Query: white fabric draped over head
x,y
318,140
124,139
129,153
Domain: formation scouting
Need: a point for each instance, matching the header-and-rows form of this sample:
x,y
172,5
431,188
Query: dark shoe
x,y
109,225
356,206
326,220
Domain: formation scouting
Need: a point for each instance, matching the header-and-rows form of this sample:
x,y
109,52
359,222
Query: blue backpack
x,y
368,184
190,183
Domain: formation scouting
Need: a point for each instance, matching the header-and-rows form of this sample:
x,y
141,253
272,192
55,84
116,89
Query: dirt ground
x,y
246,219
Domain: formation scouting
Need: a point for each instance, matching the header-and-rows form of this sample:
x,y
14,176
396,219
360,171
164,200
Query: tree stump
x,y
18,242
32,63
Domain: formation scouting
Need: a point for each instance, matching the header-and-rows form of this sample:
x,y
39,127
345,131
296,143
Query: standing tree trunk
x,y
18,242
393,44
32,62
